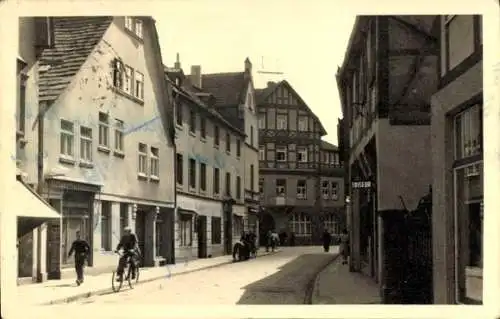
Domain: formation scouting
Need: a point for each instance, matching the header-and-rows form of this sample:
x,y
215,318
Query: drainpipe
x,y
174,146
41,114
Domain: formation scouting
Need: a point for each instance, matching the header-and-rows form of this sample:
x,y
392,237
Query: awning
x,y
31,209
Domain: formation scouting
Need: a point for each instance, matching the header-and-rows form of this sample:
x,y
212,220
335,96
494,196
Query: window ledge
x,y
216,146
203,139
192,189
128,96
142,176
476,272
154,178
228,152
193,134
67,160
86,164
216,195
203,192
118,154
104,149
178,126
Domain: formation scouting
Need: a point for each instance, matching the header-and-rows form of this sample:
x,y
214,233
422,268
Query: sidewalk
x,y
66,290
336,285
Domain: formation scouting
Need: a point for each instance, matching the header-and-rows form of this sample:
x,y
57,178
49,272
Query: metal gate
x,y
408,255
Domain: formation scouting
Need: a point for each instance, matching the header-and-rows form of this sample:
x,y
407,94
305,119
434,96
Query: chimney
x,y
196,75
270,84
248,67
177,64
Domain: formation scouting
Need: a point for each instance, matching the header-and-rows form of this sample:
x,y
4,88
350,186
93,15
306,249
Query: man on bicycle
x,y
130,246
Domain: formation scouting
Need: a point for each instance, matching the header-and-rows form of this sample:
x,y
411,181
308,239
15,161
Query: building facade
x,y
209,172
387,78
104,136
457,162
301,176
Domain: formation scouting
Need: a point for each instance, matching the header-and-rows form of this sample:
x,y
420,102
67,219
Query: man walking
x,y
82,249
327,238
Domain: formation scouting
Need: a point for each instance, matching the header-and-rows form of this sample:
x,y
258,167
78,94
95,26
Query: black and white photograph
x,y
228,155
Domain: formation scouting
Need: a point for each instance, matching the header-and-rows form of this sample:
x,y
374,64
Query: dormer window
x,y
134,26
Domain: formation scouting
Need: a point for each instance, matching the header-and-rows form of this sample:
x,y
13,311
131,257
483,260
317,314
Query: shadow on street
x,y
289,284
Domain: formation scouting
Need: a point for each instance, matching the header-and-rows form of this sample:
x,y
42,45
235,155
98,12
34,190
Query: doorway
x,y
140,231
70,226
201,229
266,224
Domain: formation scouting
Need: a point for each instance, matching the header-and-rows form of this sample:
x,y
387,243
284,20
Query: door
x,y
70,226
202,236
140,231
266,224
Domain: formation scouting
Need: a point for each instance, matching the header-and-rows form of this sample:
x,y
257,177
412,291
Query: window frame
x,y
305,125
446,20
262,120
119,136
154,160
280,127
302,150
139,85
142,156
262,152
192,174
279,149
216,181
228,142
302,189
203,177
179,159
228,184
334,190
67,135
238,187
280,189
325,190
86,143
104,137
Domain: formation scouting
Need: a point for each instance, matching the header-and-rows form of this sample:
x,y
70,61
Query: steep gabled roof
x,y
229,89
328,146
74,40
263,94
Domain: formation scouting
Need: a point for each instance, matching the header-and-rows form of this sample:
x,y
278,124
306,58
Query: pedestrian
x,y
327,239
82,250
344,245
292,239
275,240
268,240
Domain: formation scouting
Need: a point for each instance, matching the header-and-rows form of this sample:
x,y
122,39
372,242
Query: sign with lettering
x,y
362,184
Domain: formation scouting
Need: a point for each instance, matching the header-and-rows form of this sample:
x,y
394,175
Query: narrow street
x,y
283,278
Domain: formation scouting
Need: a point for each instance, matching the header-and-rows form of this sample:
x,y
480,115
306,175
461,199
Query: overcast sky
x,y
306,42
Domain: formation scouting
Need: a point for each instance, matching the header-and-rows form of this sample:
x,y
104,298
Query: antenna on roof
x,y
264,71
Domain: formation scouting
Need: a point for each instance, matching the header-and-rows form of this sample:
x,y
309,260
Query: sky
x,y
306,42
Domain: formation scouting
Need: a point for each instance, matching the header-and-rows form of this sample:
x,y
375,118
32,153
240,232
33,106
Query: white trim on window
x,y
119,135
139,85
301,189
142,165
283,151
67,139
103,130
86,144
302,154
154,166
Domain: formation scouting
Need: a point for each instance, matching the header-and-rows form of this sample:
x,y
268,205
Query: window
x,y
203,176
192,121
238,148
67,138
238,225
281,121
216,230
228,184
155,162
134,25
22,104
281,153
325,190
118,70
228,142
159,222
469,227
128,82
86,144
143,159
238,187
459,39
251,135
252,172
138,28
300,224
335,190
192,173
179,168
216,181
203,127
129,23
139,85
331,224
216,136
302,154
262,121
303,123
178,113
301,189
262,153
119,134
281,187
103,129
261,185
106,226
468,132
185,229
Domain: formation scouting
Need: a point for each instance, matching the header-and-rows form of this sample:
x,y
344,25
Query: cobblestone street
x,y
283,278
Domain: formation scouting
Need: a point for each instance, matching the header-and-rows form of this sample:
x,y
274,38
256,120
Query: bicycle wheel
x,y
116,285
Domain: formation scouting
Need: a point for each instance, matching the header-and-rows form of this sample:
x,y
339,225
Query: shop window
x,y
300,224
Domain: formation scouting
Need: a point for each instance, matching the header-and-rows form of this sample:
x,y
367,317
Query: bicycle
x,y
127,272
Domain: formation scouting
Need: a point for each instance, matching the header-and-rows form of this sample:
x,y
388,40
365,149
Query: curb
x,y
311,287
108,290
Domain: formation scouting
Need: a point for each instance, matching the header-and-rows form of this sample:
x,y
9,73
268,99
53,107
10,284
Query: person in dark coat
x,y
292,239
82,250
327,239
